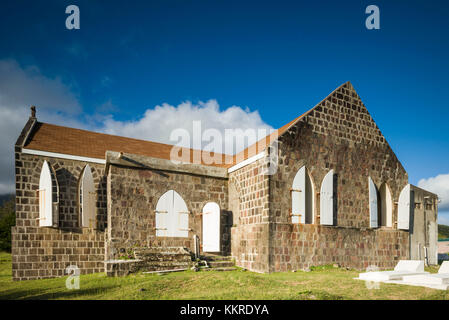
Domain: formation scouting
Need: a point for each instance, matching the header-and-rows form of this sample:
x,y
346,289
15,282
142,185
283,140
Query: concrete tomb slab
x,y
403,268
440,278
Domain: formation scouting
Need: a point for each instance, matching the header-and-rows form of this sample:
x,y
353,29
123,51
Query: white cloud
x,y
440,186
157,124
21,87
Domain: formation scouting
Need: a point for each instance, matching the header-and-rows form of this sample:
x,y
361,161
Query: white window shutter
x,y
180,217
164,208
172,216
373,211
327,199
88,216
299,196
45,197
404,208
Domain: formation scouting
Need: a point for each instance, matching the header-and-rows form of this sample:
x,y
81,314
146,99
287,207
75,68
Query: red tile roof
x,y
77,142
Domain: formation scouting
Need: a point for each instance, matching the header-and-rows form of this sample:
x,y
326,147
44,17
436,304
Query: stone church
x,y
339,196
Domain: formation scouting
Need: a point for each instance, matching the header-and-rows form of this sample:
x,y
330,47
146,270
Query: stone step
x,y
220,269
151,254
215,258
165,265
165,271
163,250
164,257
220,264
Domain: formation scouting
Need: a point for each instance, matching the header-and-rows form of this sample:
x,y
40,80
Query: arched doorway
x,y
211,227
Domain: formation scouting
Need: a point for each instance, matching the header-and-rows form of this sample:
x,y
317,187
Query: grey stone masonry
x,y
133,192
42,252
256,225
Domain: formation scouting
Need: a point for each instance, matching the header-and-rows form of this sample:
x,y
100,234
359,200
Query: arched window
x,y
48,197
302,193
386,207
172,216
380,205
327,199
87,199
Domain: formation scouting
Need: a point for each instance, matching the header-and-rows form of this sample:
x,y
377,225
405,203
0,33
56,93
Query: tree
x,y
7,221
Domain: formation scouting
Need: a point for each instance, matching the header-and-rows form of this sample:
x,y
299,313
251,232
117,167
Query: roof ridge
x,y
245,153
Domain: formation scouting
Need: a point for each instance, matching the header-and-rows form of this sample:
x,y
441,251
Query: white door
x,y
211,227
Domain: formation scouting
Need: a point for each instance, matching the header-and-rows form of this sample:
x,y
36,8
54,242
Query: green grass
x,y
324,282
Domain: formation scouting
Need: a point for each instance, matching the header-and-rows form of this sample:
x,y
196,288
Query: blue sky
x,y
272,59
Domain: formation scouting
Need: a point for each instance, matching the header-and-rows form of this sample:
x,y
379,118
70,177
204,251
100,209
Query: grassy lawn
x,y
321,283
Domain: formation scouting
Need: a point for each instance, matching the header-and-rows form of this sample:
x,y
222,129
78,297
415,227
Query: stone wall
x,y
424,226
256,226
133,193
250,233
299,246
338,134
43,252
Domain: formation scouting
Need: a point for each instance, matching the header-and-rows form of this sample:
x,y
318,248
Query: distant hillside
x,y
5,197
443,231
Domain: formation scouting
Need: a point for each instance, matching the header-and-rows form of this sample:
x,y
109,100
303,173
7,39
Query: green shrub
x,y
7,220
443,231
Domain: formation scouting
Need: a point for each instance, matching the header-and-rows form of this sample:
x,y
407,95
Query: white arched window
x,y
48,197
302,194
405,208
172,216
327,199
386,207
87,199
373,204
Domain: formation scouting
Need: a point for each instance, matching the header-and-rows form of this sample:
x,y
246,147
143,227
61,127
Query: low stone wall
x,y
299,246
119,268
133,194
47,252
151,259
164,258
250,246
424,226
